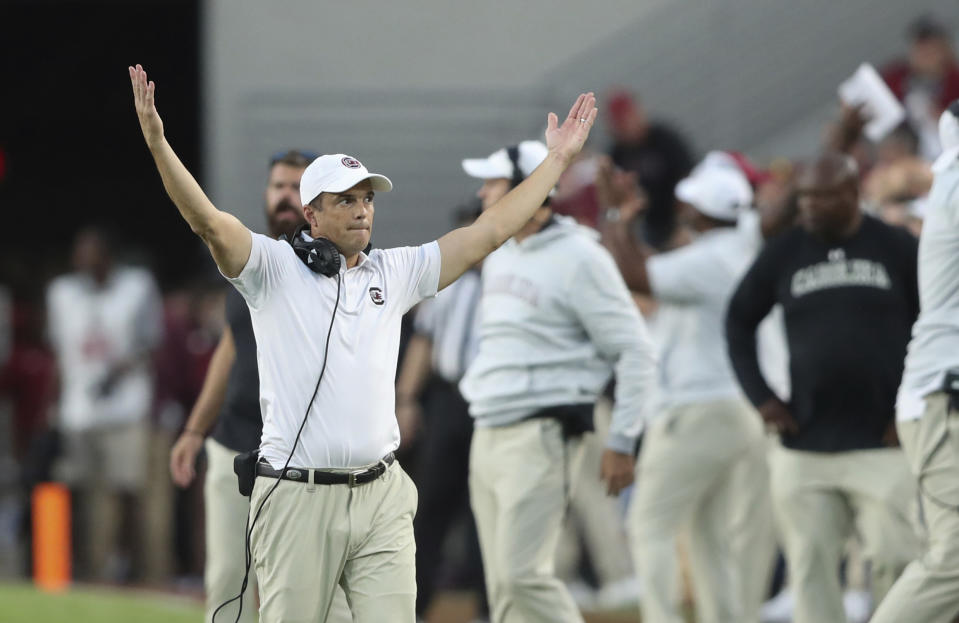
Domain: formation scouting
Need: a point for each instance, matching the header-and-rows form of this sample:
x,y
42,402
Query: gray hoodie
x,y
556,321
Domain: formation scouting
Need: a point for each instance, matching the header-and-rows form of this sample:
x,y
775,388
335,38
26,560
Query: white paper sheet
x,y
880,106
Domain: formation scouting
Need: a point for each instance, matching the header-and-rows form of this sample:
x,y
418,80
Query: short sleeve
x,y
424,322
269,264
413,273
685,275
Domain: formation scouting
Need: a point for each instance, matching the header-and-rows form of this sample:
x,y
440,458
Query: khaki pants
x,y
702,474
819,499
594,515
928,589
309,538
520,477
226,512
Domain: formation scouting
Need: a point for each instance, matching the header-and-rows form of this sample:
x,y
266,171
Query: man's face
x,y
90,255
629,125
930,56
690,217
827,203
345,218
283,210
493,190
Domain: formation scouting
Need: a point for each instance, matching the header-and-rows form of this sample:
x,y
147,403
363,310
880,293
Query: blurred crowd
x,y
99,371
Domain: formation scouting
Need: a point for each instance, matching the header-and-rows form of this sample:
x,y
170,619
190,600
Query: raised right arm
x,y
228,239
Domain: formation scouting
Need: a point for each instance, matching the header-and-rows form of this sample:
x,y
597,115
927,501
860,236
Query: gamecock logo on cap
x,y
351,163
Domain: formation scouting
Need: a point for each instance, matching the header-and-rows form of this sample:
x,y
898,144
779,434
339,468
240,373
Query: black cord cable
x,y
282,475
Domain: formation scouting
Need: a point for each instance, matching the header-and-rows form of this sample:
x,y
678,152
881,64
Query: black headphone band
x,y
513,152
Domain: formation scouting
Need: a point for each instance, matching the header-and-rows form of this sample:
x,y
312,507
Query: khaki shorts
x,y
115,456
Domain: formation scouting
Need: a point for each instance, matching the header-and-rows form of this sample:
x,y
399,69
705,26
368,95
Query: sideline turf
x,y
22,603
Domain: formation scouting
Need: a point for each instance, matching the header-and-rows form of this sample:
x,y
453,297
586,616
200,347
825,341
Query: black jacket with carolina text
x,y
848,309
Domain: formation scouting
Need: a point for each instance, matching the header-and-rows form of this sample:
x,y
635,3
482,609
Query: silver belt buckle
x,y
351,481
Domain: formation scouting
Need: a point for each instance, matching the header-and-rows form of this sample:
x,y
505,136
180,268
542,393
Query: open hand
x,y
567,139
150,122
616,470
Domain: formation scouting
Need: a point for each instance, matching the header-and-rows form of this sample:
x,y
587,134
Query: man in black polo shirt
x,y
231,390
848,287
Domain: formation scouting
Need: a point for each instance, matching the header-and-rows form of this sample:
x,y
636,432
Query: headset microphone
x,y
513,153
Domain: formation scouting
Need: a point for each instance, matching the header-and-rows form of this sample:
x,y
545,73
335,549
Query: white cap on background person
x,y
948,138
717,159
498,164
335,173
717,192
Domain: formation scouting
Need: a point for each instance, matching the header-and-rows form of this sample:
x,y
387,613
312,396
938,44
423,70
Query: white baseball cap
x,y
334,173
717,160
948,138
498,163
717,192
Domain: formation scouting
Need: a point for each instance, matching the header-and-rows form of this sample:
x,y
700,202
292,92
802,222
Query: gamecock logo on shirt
x,y
377,295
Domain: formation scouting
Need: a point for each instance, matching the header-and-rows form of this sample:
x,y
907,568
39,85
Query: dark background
x,y
71,148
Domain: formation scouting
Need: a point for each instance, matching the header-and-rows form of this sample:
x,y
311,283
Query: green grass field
x,y
22,603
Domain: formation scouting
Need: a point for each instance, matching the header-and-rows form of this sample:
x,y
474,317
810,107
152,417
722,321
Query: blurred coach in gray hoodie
x,y
556,322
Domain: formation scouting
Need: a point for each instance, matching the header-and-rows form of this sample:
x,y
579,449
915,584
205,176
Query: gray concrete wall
x,y
412,87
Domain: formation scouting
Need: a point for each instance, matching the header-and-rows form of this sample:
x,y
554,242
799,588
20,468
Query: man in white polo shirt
x,y
928,426
332,506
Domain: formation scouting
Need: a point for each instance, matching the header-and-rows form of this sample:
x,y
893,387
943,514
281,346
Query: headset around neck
x,y
319,254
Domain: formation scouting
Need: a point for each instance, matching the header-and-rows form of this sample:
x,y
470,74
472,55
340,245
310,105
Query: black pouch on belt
x,y
951,387
244,466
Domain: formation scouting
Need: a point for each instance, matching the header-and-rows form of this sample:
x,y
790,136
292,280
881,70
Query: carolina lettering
x,y
512,285
846,273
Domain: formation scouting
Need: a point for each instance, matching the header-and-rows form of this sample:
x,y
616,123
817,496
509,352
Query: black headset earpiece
x,y
513,152
319,254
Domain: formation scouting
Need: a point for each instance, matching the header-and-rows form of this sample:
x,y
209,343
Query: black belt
x,y
322,477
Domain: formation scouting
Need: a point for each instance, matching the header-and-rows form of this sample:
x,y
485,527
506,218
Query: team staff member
x,y
231,391
359,532
847,286
928,590
556,320
104,323
703,463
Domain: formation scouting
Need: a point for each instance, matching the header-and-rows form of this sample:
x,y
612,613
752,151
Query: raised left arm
x,y
463,248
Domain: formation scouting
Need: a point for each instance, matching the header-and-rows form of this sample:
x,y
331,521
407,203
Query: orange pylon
x,y
51,536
